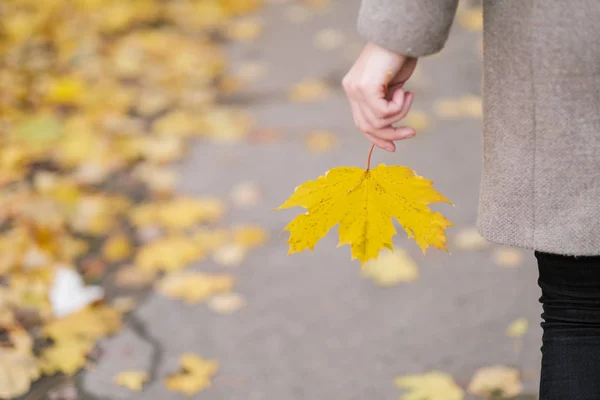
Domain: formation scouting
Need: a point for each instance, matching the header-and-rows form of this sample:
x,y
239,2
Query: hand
x,y
374,87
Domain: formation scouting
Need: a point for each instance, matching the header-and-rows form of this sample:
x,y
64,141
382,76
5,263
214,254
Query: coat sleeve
x,y
410,27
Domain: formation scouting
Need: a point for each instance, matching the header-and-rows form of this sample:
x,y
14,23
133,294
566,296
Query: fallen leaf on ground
x,y
321,141
230,255
194,287
309,90
75,336
468,106
517,328
123,304
227,125
507,257
391,268
132,277
246,194
250,236
364,203
328,39
471,18
469,239
117,248
170,253
226,303
195,375
18,365
429,386
244,29
132,380
497,380
416,119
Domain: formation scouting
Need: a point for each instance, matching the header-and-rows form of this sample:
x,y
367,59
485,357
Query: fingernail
x,y
389,148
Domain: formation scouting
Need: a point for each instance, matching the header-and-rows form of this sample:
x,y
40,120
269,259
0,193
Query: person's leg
x,y
571,340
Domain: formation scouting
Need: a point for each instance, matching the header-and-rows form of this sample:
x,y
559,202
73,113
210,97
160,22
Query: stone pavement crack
x,y
139,328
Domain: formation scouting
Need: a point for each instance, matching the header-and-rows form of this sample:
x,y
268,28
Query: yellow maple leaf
x,y
92,322
194,287
75,336
116,248
132,380
363,202
309,90
391,268
496,380
65,357
195,375
168,254
431,386
517,328
18,366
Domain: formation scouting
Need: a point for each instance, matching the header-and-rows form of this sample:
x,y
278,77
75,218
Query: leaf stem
x,y
369,157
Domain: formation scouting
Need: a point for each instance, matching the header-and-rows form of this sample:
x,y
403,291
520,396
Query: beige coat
x,y
541,167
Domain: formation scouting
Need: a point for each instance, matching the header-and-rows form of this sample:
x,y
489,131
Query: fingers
x,y
376,124
374,114
360,122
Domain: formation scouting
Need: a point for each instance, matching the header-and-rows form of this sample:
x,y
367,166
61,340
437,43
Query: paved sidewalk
x,y
313,328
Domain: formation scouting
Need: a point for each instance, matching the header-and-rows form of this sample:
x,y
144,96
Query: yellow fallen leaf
x,y
66,357
18,365
321,141
309,90
132,277
230,255
472,106
507,257
517,328
226,124
123,304
92,323
195,375
168,254
132,380
471,18
184,212
66,90
226,303
244,29
429,386
416,119
246,194
470,239
497,380
75,336
468,106
162,149
160,179
116,248
250,236
194,287
210,239
364,203
177,123
391,268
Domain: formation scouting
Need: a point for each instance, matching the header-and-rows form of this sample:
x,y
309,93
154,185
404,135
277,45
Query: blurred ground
x,y
313,328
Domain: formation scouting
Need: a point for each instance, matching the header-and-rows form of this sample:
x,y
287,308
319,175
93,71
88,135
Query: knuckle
x,y
380,123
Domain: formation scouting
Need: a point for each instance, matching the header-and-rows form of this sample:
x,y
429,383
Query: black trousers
x,y
571,323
